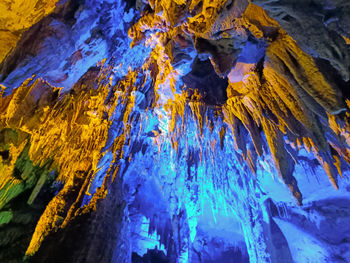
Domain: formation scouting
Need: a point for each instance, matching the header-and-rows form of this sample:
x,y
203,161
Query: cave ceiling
x,y
175,131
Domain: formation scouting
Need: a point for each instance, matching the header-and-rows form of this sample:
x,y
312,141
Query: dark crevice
x,y
5,154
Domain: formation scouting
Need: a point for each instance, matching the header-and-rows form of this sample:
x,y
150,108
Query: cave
x,y
174,131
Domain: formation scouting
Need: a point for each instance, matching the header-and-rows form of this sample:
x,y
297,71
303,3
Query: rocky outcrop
x,y
17,17
35,29
325,24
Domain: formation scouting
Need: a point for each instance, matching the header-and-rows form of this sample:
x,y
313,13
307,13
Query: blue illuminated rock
x,y
177,131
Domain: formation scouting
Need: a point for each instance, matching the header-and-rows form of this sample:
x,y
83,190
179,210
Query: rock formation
x,y
175,131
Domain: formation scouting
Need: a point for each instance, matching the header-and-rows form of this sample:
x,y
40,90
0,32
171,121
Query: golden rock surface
x,y
17,16
287,98
291,89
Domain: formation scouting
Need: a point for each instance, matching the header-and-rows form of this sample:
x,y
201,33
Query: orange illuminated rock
x,y
283,101
17,16
286,96
69,129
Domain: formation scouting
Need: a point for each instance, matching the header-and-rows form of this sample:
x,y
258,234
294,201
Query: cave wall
x,y
174,131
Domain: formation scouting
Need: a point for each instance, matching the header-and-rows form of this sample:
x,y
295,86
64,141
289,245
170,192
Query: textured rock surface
x,y
175,131
18,16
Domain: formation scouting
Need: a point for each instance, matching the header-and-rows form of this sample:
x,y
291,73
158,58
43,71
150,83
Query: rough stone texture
x,y
219,131
18,16
95,236
320,19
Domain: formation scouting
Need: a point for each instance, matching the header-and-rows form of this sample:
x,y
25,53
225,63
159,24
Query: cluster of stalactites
x,y
284,96
68,133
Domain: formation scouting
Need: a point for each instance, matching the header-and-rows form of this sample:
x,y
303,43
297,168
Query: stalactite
x,y
189,122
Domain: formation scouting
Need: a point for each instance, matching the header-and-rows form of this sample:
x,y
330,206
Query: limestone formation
x,y
209,129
